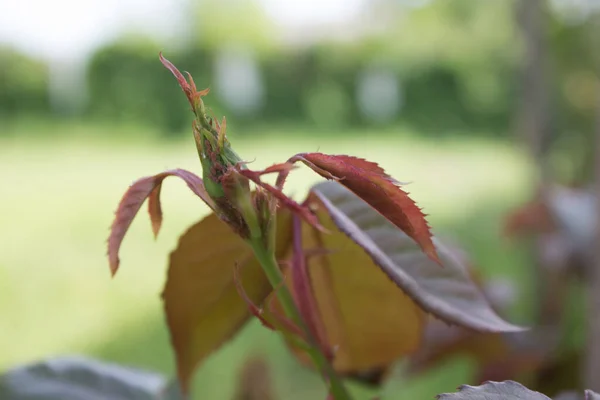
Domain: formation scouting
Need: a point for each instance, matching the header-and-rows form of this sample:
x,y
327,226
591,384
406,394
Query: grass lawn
x,y
57,201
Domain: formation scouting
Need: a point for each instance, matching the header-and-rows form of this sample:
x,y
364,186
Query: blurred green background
x,y
432,90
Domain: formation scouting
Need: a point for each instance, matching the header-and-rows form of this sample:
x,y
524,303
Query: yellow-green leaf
x,y
368,321
202,306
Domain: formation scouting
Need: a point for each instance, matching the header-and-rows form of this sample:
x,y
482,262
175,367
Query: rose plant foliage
x,y
509,390
350,276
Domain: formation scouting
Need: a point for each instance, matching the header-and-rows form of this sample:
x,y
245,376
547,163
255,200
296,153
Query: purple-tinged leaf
x,y
447,293
569,395
76,378
134,197
591,395
494,391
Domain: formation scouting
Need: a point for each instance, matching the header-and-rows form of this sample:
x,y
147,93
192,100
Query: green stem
x,y
267,260
265,254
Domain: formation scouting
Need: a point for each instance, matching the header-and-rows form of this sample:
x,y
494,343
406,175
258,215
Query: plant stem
x,y
271,269
265,254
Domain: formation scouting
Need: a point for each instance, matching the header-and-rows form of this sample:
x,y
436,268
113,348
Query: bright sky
x,y
70,28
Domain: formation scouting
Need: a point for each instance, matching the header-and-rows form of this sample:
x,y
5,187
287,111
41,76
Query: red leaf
x,y
382,192
533,217
134,197
188,88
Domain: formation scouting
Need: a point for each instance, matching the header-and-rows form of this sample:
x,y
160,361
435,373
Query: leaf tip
x,y
114,266
113,256
432,253
155,228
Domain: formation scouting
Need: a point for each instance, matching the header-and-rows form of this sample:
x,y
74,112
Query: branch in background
x,y
592,363
534,114
534,128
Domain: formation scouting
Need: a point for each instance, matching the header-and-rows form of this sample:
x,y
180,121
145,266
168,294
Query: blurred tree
x,y
286,76
228,40
576,52
326,104
453,65
239,22
447,66
314,84
23,85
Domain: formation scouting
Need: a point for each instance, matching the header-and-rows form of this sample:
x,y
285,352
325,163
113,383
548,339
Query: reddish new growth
x,y
226,188
192,94
370,182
